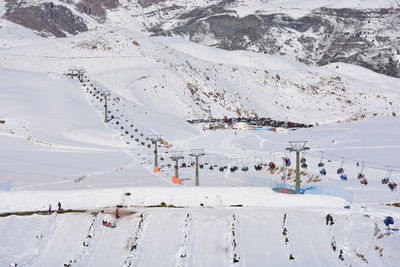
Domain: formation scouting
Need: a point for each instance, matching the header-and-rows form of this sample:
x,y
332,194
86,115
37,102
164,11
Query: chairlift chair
x,y
340,170
321,162
386,180
361,173
392,186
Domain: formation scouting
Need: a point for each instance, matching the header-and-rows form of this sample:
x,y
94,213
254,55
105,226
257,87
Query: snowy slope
x,y
187,87
15,35
56,147
297,9
259,237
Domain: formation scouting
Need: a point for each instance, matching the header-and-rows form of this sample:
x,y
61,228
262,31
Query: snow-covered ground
x,y
297,9
55,147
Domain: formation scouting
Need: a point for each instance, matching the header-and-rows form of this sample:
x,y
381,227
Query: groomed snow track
x,y
201,237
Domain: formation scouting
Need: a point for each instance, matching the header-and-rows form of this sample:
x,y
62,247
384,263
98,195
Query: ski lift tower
x,y
197,153
297,146
106,95
155,139
81,73
176,156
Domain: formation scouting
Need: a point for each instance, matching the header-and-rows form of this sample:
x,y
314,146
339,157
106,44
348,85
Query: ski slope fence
x,y
5,186
305,189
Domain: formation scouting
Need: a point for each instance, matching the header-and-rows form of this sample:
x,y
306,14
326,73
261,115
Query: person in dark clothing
x,y
59,205
329,219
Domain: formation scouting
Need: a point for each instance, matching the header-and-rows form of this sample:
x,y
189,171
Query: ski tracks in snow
x,y
43,239
136,242
285,234
234,258
89,242
182,257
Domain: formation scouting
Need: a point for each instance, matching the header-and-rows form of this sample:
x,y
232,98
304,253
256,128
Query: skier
x,y
343,177
49,208
364,181
59,205
323,171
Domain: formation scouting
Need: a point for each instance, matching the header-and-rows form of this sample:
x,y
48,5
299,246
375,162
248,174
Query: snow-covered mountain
x,y
59,143
358,32
191,81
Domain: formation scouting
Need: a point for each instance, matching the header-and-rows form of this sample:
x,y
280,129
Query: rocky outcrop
x,y
368,37
147,3
95,8
365,37
46,19
49,19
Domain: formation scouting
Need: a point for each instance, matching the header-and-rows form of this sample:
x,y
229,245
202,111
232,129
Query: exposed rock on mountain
x,y
364,33
47,19
368,38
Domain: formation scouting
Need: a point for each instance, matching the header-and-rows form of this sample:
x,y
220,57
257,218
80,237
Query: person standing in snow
x,y
49,208
59,205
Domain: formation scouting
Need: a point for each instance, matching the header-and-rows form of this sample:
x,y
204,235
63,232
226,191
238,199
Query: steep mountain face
x,y
47,19
68,17
368,37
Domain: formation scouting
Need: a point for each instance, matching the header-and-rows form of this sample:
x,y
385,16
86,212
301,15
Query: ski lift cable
x,y
372,165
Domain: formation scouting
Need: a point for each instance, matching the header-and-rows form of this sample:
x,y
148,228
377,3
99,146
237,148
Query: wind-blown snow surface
x,y
55,147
